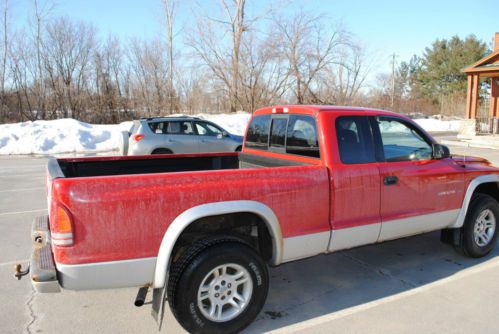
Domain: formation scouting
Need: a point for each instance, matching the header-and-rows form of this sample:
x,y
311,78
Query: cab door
x,y
418,193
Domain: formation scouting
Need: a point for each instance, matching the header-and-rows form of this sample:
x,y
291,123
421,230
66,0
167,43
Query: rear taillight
x,y
62,227
137,137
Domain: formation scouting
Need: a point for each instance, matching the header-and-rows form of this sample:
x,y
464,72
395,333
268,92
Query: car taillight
x,y
137,137
62,227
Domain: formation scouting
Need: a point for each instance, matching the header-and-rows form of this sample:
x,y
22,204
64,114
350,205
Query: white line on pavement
x,y
21,189
20,212
23,174
12,263
321,320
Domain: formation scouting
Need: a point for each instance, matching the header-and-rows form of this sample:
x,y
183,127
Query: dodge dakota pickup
x,y
200,230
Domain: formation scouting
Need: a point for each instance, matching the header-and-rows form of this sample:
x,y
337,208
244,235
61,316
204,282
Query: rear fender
x,y
212,209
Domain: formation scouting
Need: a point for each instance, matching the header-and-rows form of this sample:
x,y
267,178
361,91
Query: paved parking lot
x,y
411,285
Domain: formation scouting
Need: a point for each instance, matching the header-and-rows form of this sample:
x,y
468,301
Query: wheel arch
x,y
192,215
483,184
162,148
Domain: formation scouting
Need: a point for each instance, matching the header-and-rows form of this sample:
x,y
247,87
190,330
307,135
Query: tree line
x,y
56,67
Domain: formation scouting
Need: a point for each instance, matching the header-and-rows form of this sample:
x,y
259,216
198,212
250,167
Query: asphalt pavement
x,y
411,285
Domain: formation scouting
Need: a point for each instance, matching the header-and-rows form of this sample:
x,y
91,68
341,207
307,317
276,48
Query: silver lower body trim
x,y
353,237
107,275
305,246
404,227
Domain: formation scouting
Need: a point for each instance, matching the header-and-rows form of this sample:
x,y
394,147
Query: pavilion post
x,y
474,96
494,97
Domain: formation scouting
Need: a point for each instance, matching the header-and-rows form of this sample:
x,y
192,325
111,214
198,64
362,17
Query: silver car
x,y
163,135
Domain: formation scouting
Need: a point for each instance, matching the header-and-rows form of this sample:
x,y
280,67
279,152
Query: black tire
x,y
467,244
239,149
199,260
161,151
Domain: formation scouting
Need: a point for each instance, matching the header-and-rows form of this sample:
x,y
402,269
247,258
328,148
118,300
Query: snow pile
x,y
71,136
59,136
233,123
437,125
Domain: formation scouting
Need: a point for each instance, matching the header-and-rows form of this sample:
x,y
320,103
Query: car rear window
x,y
258,132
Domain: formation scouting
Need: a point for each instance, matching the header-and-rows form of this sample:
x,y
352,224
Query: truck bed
x,y
107,166
166,163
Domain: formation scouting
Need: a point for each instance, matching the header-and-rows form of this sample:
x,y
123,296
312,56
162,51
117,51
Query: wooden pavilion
x,y
487,67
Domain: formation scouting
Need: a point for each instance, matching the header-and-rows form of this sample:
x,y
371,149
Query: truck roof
x,y
313,109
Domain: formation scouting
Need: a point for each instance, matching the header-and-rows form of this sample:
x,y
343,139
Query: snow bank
x,y
234,123
71,136
59,136
436,125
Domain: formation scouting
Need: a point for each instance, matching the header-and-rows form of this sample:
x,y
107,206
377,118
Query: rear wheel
x,y
161,151
479,232
239,148
218,285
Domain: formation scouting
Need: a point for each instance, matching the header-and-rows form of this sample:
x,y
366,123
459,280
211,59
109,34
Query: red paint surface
x,y
125,217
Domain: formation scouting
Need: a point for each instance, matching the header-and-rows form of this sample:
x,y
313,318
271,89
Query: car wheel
x,y
239,149
479,232
218,285
161,151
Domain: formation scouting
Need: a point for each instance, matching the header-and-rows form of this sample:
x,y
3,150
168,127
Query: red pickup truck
x,y
200,230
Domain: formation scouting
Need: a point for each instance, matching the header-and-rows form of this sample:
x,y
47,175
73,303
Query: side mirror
x,y
220,136
440,151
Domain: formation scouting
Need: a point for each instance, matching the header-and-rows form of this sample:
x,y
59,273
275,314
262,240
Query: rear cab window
x,y
258,133
291,134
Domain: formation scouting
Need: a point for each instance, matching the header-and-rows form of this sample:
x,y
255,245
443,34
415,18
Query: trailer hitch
x,y
19,272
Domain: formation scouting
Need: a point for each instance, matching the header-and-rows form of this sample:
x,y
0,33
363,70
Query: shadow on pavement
x,y
325,284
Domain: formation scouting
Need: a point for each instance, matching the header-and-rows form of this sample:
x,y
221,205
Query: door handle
x,y
390,180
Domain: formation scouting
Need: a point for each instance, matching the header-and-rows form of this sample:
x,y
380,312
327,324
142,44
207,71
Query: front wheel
x,y
479,232
217,286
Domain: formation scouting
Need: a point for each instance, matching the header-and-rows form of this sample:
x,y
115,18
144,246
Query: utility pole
x,y
393,78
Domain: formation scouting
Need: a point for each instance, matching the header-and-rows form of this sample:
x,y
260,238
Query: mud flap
x,y
158,305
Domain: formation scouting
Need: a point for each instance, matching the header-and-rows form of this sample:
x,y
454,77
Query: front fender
x,y
211,209
491,178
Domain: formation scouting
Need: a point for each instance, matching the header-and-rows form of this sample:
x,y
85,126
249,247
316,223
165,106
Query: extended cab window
x,y
302,136
402,141
355,140
258,132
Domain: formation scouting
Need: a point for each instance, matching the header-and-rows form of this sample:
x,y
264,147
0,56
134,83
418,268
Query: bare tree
x,y
309,48
212,47
68,49
342,80
40,13
150,74
170,7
